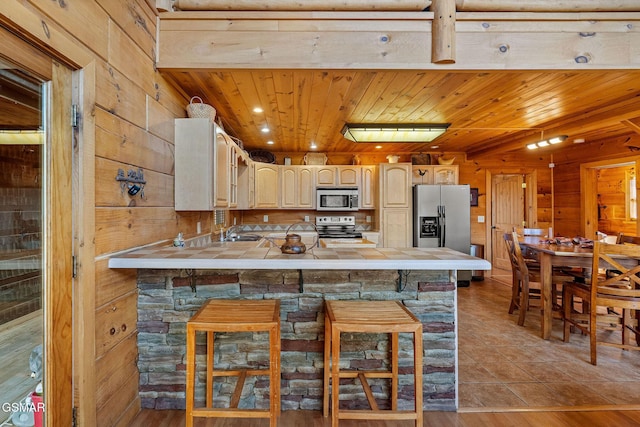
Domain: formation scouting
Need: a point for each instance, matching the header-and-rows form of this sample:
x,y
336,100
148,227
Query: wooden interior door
x,y
507,212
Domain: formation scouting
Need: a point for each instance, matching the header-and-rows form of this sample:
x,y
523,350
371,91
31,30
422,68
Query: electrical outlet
x,y
198,227
265,218
306,218
368,219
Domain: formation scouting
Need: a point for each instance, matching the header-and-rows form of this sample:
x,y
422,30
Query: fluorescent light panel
x,y
545,143
393,132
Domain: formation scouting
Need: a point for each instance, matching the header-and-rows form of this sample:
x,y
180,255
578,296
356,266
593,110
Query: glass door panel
x,y
21,225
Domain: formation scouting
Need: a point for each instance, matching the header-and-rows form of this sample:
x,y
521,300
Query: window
x,y
631,195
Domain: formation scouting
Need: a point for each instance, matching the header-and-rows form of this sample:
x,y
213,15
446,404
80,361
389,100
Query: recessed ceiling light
x,y
270,142
313,146
378,146
265,130
435,146
258,110
578,140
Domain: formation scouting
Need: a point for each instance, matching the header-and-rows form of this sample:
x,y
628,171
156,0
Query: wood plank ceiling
x,y
490,112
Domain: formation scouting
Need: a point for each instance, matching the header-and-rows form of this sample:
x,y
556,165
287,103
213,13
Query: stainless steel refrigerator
x,y
442,218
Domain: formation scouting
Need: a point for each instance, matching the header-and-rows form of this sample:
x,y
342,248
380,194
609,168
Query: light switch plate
x,y
306,218
265,218
481,219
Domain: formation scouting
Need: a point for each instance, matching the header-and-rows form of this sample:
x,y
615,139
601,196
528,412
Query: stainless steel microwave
x,y
337,199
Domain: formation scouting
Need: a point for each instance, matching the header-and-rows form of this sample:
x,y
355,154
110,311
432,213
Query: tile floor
x,y
503,365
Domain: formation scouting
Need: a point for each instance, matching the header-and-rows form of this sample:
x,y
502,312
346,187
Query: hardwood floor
x,y
503,366
431,419
17,340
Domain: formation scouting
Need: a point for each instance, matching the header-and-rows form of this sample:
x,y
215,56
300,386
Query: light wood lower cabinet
x,y
396,228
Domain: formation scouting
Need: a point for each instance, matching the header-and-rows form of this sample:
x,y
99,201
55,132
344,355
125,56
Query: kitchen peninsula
x,y
174,282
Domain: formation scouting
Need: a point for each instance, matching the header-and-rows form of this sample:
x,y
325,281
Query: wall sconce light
x,y
546,142
134,182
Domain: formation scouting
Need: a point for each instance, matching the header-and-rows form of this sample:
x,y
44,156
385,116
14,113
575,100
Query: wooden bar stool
x,y
370,317
234,316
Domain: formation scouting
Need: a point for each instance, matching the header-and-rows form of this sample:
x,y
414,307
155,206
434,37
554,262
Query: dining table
x,y
552,255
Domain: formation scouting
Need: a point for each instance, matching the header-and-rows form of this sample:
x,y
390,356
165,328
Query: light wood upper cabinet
x,y
326,176
267,188
290,187
348,176
202,166
246,184
307,188
436,174
422,174
338,176
297,187
395,185
445,175
369,180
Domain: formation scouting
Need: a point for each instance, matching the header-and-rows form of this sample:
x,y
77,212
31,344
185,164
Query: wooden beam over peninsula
x,y
397,40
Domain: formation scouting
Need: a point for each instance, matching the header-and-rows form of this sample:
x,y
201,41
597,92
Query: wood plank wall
x,y
133,115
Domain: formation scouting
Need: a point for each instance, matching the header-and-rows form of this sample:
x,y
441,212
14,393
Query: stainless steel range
x,y
337,227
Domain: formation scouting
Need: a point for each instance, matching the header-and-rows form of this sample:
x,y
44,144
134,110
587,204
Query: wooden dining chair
x,y
534,232
521,291
628,239
620,291
541,233
527,278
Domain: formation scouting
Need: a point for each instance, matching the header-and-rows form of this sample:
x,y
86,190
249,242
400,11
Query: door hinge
x,y
74,420
74,115
74,260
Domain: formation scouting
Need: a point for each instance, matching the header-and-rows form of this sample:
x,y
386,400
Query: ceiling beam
x,y
396,40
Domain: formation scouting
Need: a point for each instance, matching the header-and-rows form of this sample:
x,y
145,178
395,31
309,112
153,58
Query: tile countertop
x,y
246,255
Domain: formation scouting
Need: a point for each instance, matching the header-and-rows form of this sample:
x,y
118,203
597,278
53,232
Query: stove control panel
x,y
336,220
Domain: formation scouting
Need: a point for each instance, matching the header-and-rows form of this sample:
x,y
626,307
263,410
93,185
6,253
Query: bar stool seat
x,y
370,317
234,316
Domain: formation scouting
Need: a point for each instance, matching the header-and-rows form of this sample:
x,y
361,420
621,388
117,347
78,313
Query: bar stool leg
x,y
274,379
327,365
417,358
335,376
191,361
394,370
209,392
